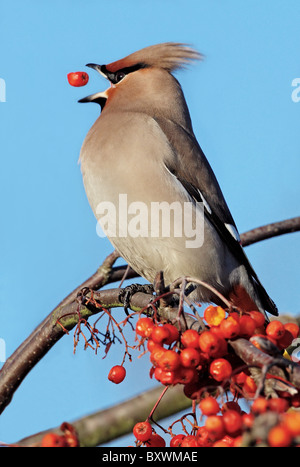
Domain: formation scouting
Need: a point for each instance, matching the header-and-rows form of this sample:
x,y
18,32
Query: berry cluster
x,y
204,363
68,438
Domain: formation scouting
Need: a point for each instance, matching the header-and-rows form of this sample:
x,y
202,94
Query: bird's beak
x,y
99,97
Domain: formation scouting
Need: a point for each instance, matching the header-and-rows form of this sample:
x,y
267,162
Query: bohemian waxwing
x,y
141,155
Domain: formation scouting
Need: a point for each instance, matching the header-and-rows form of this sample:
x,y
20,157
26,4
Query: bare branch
x,y
106,425
270,230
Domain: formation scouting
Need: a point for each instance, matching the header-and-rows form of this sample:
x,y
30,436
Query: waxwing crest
x,y
170,56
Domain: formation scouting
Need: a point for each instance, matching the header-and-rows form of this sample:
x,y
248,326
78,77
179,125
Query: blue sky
x,y
240,99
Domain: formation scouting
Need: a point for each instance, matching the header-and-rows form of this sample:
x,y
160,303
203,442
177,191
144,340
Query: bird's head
x,y
144,78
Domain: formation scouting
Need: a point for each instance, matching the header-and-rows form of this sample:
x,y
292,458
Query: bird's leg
x,y
126,293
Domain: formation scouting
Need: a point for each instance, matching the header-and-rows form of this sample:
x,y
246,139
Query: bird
x,y
142,152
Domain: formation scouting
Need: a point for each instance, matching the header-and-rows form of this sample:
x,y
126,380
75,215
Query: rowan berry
x,y
278,404
190,441
155,441
214,315
215,426
249,387
165,377
230,328
117,374
142,431
293,328
291,421
78,78
220,369
275,329
231,405
279,437
144,327
204,438
247,325
174,333
209,406
260,405
208,342
176,441
53,440
190,357
160,334
285,340
248,420
186,375
258,317
169,361
190,338
233,421
156,354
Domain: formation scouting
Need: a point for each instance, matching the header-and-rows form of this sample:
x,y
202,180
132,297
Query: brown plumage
x,y
169,56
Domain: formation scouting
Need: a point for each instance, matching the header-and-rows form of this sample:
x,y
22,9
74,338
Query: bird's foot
x,y
127,293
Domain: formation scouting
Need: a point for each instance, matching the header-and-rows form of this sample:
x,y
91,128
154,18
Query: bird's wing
x,y
190,166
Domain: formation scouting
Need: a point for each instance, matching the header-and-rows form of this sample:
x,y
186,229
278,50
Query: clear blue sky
x,y
244,118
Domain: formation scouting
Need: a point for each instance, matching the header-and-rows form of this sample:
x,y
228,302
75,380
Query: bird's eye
x,y
119,76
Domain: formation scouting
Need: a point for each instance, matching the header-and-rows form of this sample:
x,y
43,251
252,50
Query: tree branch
x,y
106,425
270,230
44,337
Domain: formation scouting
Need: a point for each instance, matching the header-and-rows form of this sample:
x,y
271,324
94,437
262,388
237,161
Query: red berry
x,y
155,441
52,440
160,334
220,369
186,375
156,354
78,78
248,420
190,338
231,405
144,327
293,328
190,357
275,329
214,315
209,406
169,361
291,422
176,441
208,342
232,421
230,328
215,426
142,431
260,405
189,441
285,341
117,374
165,377
279,437
204,438
278,404
249,387
174,333
247,325
258,318
151,345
